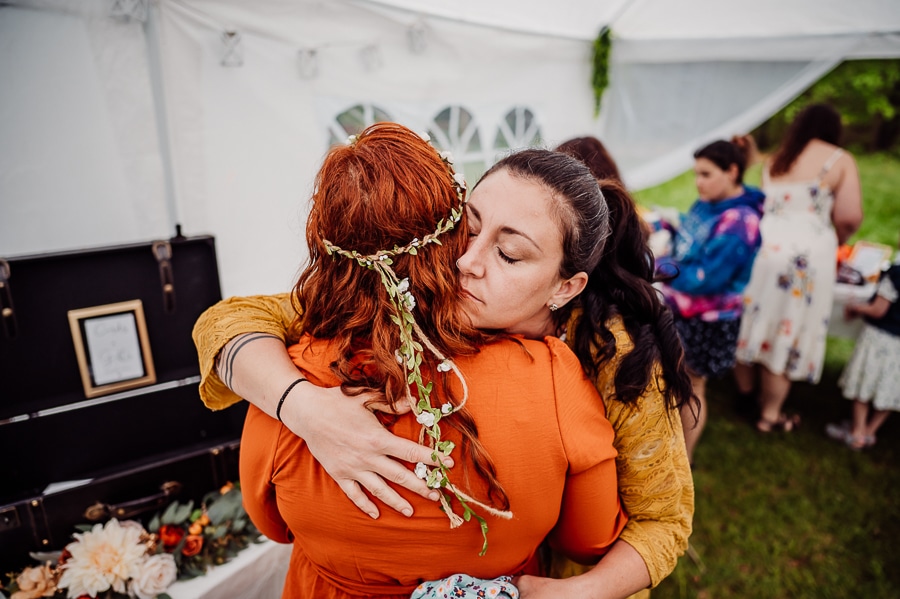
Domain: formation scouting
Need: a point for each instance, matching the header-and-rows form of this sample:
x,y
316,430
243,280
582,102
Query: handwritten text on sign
x,y
114,347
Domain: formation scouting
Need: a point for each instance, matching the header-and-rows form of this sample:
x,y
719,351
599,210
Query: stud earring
x,y
554,307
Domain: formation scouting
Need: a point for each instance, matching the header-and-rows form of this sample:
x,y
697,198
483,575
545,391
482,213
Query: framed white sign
x,y
112,347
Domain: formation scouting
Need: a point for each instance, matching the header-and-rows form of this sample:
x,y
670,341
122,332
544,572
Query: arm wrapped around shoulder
x,y
226,320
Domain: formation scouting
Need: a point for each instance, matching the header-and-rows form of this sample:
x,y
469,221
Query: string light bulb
x,y
308,62
417,36
370,56
233,55
126,10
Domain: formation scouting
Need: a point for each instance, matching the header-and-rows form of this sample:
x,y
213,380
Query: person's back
x,y
813,204
548,409
805,196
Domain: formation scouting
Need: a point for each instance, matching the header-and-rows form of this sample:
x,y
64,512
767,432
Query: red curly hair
x,y
381,191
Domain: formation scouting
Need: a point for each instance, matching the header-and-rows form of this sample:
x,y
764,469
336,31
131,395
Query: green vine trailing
x,y
600,77
410,356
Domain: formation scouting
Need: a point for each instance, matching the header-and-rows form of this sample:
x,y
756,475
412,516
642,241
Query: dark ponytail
x,y
622,285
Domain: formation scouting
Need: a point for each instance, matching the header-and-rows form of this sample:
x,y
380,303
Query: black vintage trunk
x,y
124,453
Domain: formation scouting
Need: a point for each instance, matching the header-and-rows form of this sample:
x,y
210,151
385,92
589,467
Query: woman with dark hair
x,y
593,153
383,311
712,255
628,345
813,204
624,338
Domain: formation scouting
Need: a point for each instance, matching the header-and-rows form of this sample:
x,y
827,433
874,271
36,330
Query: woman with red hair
x,y
621,331
382,310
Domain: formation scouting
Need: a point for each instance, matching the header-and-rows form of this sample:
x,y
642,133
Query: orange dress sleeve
x,y
258,446
591,515
655,482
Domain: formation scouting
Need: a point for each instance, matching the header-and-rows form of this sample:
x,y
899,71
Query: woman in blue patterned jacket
x,y
712,256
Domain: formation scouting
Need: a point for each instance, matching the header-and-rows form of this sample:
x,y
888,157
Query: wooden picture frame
x,y
869,258
112,347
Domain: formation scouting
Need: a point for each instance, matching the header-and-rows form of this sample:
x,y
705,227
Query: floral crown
x,y
409,355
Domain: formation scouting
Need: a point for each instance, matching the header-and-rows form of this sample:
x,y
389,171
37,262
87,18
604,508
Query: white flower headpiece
x,y
409,355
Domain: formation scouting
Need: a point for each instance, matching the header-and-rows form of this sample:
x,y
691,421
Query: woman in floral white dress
x,y
813,204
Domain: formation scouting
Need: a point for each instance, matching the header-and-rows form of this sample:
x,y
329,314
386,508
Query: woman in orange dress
x,y
383,310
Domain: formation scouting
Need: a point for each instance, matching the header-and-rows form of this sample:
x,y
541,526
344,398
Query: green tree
x,y
867,94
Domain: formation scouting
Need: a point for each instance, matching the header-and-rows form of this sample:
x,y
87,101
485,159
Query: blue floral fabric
x,y
712,257
462,586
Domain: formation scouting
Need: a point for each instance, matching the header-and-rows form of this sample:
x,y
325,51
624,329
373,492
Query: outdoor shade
x,y
121,118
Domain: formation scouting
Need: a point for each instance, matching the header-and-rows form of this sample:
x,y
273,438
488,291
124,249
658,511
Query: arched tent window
x,y
353,120
518,129
455,129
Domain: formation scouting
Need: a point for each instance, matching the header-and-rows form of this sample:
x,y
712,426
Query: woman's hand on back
x,y
342,433
354,448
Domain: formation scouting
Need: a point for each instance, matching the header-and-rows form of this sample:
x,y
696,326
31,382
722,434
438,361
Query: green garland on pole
x,y
600,78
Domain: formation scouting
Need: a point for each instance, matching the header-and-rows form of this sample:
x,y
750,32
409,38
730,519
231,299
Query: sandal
x,y
841,432
784,424
858,443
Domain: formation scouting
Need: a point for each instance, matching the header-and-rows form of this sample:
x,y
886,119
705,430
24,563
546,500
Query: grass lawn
x,y
795,515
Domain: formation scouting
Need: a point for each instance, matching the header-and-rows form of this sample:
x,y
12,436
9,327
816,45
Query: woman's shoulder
x,y
553,350
820,155
529,358
816,157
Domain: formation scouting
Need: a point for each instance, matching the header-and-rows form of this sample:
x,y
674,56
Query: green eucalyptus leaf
x,y
168,516
183,513
227,507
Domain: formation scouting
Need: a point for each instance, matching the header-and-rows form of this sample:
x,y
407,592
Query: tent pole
x,y
154,60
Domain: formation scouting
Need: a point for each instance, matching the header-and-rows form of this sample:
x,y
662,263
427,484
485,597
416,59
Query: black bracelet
x,y
283,396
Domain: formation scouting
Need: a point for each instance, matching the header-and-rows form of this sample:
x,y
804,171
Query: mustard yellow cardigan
x,y
655,481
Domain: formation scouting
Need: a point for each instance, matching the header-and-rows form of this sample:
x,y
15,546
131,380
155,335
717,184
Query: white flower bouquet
x,y
125,559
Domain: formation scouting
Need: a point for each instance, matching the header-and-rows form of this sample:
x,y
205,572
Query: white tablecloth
x,y
843,295
257,572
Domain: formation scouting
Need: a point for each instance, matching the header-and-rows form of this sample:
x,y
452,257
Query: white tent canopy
x,y
121,118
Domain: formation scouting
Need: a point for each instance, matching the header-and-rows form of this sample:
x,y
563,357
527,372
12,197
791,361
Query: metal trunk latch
x,y
162,251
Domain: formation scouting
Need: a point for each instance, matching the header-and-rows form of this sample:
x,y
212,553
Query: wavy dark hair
x,y
723,154
594,154
621,284
380,192
816,121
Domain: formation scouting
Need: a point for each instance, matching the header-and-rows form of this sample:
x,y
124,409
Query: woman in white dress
x,y
813,204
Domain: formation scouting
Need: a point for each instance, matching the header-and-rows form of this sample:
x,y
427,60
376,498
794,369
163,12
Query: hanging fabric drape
x,y
215,114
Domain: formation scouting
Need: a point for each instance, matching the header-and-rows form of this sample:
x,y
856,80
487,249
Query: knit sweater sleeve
x,y
226,320
655,482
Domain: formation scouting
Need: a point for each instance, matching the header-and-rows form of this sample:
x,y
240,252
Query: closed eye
x,y
506,258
